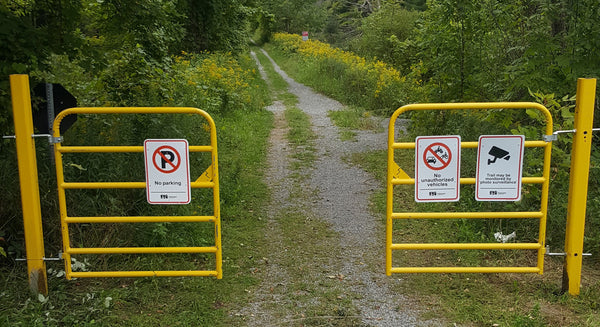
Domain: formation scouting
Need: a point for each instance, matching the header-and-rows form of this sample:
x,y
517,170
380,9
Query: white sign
x,y
437,168
305,36
167,171
499,167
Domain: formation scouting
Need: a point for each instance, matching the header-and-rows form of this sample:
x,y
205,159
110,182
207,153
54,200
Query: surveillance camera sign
x,y
499,167
437,168
167,171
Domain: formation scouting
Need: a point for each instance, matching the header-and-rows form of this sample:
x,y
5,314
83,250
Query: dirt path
x,y
346,284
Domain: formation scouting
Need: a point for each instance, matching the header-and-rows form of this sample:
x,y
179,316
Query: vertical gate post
x,y
28,178
578,184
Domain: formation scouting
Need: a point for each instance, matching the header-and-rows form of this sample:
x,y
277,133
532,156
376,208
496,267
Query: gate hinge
x,y
60,257
54,140
554,136
51,139
562,253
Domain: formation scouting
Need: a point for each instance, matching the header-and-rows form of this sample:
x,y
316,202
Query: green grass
x,y
308,301
301,137
277,84
300,134
469,299
322,299
325,301
206,301
480,299
354,118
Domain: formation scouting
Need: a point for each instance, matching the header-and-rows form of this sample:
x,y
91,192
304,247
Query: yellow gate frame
x,y
209,179
396,176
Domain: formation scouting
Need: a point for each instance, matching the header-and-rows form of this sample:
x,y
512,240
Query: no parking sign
x,y
167,171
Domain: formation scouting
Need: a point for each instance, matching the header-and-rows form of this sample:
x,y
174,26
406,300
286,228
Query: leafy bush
x,y
383,35
529,123
220,83
366,83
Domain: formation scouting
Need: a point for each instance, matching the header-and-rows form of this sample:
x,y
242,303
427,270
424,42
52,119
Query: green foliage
x,y
383,34
354,118
222,84
263,25
562,110
481,299
352,79
17,56
216,25
295,16
120,21
345,20
243,128
418,5
486,50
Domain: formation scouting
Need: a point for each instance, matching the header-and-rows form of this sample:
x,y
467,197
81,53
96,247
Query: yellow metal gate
x,y
209,179
396,176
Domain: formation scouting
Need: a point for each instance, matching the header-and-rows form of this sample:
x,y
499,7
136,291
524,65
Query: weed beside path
x,y
324,263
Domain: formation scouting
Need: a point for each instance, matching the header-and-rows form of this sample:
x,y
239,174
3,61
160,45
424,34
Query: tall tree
x,y
295,16
154,26
382,34
29,32
215,24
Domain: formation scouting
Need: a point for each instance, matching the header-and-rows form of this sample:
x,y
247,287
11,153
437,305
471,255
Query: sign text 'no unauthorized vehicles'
x,y
437,168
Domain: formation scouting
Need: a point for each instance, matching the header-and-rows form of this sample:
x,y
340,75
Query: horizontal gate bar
x,y
396,176
134,110
468,145
120,185
466,270
122,149
433,215
208,179
124,250
139,219
164,273
468,180
466,246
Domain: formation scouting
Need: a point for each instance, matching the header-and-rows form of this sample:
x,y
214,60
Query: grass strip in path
x,y
300,271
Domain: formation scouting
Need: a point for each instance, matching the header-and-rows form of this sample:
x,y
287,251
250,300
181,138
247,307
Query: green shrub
x,y
370,84
220,83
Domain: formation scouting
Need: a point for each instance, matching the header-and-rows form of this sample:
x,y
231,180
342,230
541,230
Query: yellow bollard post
x,y
578,185
28,178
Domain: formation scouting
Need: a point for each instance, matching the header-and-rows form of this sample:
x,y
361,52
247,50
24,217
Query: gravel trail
x,y
340,197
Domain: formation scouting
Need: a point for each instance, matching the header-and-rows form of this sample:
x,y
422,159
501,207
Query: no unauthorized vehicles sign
x,y
437,168
167,171
499,167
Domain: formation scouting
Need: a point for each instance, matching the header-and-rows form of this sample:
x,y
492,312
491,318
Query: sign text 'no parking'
x,y
167,171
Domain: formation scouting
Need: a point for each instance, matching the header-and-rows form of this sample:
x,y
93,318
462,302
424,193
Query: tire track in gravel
x,y
340,197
